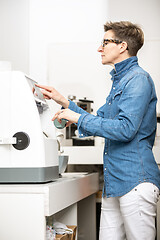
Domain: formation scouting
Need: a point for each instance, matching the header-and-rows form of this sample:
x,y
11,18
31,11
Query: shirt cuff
x,y
81,125
72,106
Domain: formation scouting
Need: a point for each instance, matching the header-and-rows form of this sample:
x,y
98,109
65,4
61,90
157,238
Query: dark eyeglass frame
x,y
106,41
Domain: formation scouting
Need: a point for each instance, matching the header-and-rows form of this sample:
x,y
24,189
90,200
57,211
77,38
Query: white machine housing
x,y
38,161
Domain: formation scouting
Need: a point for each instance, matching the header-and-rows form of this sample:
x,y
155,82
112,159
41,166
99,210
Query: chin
x,y
104,62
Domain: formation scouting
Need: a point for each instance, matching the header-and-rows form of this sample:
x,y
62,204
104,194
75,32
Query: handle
x,y
4,141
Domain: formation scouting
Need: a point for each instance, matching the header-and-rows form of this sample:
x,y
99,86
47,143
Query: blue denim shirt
x,y
127,121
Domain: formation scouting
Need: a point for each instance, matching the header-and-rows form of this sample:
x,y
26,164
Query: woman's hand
x,y
68,114
52,93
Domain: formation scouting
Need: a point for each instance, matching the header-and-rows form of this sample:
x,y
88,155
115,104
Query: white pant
x,y
131,216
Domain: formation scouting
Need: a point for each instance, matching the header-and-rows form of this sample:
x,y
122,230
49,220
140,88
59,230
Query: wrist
x,y
77,117
65,103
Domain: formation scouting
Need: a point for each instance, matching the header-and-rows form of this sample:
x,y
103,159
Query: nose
x,y
100,49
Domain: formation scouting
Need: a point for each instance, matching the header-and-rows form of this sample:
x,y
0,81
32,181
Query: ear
x,y
123,47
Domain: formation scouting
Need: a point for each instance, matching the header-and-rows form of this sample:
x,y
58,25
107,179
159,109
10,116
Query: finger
x,y
46,93
46,97
57,115
44,87
68,123
59,120
33,89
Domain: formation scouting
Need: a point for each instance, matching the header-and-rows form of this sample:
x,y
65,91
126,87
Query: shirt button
x,y
105,153
109,103
113,87
105,169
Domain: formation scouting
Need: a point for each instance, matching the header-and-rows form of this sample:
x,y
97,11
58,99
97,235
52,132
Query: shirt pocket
x,y
117,95
115,100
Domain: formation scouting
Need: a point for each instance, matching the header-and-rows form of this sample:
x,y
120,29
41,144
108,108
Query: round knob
x,y
23,140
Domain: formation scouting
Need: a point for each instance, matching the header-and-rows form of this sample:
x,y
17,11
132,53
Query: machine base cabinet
x,y
22,216
24,209
82,215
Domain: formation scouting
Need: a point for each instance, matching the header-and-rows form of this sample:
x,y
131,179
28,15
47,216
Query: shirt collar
x,y
123,66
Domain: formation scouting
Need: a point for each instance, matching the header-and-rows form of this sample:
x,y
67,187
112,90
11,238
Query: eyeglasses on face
x,y
106,41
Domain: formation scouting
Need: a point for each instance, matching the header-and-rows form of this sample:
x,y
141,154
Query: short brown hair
x,y
128,32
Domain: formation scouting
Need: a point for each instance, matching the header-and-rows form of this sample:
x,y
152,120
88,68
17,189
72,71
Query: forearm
x,y
52,93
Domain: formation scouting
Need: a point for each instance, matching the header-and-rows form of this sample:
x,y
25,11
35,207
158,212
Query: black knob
x,y
23,140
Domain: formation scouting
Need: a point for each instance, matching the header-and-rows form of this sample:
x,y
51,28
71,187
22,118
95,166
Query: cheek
x,y
111,53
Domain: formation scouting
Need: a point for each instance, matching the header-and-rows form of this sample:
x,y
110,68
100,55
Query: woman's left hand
x,y
68,114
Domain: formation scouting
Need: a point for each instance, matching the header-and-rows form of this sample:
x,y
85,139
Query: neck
x,y
120,59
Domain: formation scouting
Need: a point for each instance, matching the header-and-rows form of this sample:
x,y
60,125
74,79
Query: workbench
x,y
24,208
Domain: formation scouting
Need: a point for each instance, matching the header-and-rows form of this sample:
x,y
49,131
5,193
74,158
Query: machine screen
x,y
35,90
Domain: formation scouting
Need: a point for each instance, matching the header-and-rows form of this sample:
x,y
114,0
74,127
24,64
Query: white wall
x,y
61,21
14,33
143,12
64,38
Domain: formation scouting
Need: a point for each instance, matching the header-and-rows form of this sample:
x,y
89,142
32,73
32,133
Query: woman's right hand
x,y
52,93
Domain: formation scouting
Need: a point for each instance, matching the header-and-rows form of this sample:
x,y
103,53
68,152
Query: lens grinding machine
x,y
28,144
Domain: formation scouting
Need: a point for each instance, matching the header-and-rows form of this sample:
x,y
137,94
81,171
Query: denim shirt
x,y
127,121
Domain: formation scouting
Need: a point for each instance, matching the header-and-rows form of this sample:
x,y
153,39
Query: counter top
x,y
65,191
